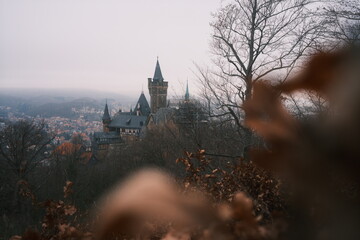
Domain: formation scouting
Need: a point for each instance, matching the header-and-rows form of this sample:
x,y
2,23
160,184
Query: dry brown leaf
x,y
319,74
69,210
68,189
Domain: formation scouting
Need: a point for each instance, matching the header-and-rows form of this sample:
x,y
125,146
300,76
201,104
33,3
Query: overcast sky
x,y
109,45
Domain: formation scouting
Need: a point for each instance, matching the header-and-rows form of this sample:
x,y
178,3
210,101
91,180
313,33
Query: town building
x,y
128,125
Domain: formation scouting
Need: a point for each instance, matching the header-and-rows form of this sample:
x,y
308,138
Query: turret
x,y
187,95
142,106
106,119
158,75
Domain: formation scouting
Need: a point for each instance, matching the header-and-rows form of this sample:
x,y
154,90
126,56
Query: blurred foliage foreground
x,y
303,184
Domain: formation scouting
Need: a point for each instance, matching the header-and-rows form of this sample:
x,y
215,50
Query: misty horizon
x,y
110,46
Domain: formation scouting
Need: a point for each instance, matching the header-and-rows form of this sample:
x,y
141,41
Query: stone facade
x,y
157,90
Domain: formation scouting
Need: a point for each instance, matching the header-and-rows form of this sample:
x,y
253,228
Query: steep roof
x,y
128,121
187,95
106,115
158,75
143,105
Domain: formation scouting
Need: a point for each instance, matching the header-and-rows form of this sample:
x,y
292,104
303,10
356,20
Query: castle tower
x,y
157,89
187,95
106,119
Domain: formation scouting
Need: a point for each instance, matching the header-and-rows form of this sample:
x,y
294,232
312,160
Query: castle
x,y
131,126
127,126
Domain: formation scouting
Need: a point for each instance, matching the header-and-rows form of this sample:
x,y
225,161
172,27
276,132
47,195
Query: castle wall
x,y
158,94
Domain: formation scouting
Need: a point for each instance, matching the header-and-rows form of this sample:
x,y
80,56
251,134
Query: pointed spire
x,y
106,115
158,75
187,95
143,105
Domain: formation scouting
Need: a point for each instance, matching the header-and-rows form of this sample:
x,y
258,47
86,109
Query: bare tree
x,y
22,146
343,17
253,40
